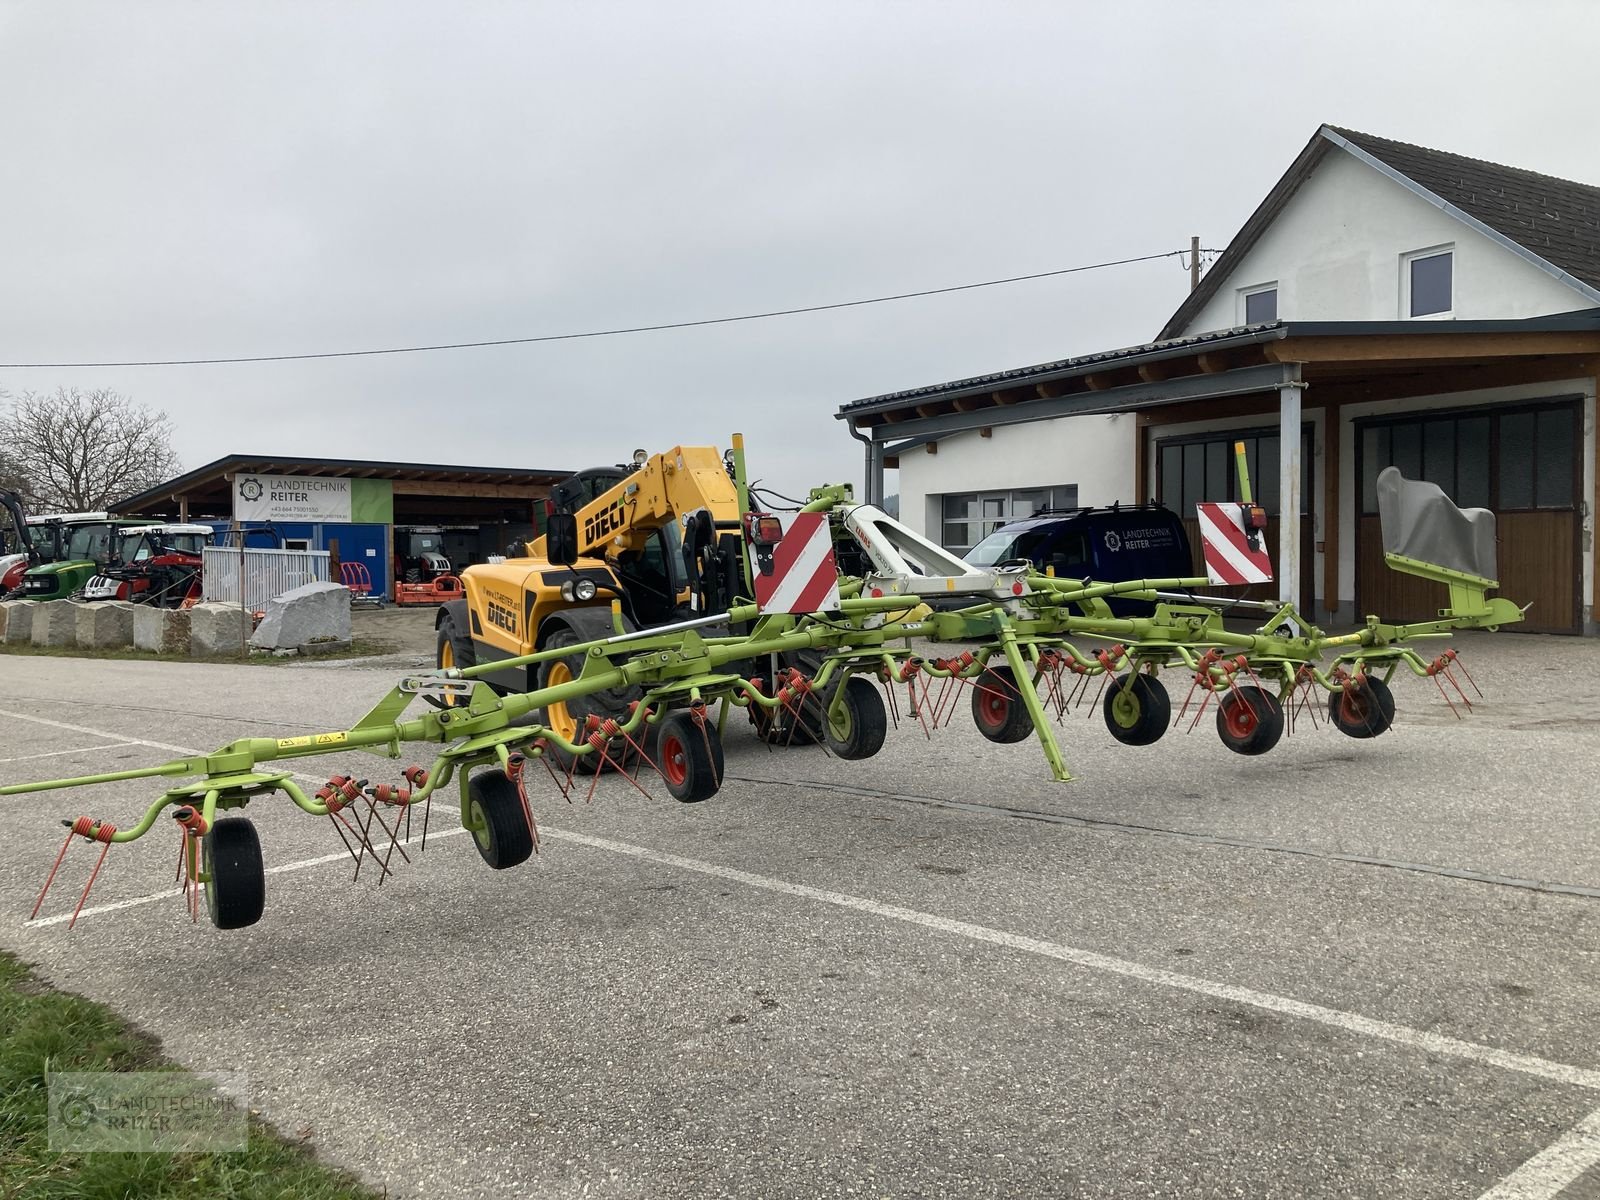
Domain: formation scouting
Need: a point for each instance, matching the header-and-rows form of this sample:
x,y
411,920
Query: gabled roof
x,y
1553,224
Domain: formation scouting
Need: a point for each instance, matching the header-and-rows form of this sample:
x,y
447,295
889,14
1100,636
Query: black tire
x,y
690,757
778,726
236,878
569,718
857,721
1249,720
503,837
997,707
1365,711
453,647
1137,709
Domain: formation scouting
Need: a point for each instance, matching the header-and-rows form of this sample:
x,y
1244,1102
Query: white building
x,y
1398,304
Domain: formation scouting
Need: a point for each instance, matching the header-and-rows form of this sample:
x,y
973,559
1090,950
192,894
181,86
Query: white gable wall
x,y
1096,453
1335,252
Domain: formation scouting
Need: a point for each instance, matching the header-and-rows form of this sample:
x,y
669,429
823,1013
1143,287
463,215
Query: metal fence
x,y
267,573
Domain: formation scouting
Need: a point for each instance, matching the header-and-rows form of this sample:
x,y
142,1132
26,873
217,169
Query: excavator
x,y
662,536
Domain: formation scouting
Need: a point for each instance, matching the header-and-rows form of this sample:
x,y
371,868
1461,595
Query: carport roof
x,y
1212,365
210,478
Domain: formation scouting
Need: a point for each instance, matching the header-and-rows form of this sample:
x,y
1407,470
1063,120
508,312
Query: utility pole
x,y
1194,263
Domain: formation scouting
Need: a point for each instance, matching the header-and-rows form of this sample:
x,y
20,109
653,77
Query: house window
x,y
1428,278
1520,459
969,517
1190,470
1260,304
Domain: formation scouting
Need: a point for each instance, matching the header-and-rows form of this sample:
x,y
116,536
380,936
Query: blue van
x,y
1108,545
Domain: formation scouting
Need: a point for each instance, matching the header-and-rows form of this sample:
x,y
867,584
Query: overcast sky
x,y
197,180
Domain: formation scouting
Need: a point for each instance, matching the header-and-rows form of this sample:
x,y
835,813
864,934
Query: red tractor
x,y
17,551
154,564
422,573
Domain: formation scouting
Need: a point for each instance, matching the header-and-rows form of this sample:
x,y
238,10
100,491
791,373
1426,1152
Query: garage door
x,y
1523,463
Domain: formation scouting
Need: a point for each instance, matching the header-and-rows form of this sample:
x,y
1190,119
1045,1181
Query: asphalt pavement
x,y
1346,968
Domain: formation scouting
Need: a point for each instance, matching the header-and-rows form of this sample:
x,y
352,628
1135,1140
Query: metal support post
x,y
1289,548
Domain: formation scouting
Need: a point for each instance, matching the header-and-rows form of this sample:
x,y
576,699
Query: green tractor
x,y
72,547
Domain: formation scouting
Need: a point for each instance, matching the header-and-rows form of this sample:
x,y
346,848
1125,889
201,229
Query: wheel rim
x,y
839,719
674,760
1125,707
560,716
1241,717
1354,708
993,706
447,655
480,825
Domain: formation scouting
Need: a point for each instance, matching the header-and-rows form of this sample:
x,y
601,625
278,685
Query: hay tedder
x,y
1022,648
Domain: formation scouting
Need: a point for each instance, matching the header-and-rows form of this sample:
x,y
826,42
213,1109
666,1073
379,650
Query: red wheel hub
x,y
1241,718
674,760
994,707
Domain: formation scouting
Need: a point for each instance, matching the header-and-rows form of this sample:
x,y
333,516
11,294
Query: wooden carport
x,y
1283,372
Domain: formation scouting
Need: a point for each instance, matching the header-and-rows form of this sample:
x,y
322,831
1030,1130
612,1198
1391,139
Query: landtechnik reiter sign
x,y
290,498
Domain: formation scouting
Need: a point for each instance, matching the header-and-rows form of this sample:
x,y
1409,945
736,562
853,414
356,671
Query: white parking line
x,y
75,750
1554,1168
132,741
1416,1039
186,751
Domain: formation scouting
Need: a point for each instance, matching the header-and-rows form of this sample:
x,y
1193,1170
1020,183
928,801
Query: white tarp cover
x,y
1419,521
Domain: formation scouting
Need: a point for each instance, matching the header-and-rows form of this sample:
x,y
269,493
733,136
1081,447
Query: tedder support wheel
x,y
1249,720
568,717
1137,709
236,880
778,726
501,829
690,756
857,722
997,707
1365,711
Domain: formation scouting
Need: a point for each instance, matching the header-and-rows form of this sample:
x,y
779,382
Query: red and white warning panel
x,y
1234,541
805,577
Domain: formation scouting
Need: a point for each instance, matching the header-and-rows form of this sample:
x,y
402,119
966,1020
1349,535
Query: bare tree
x,y
83,450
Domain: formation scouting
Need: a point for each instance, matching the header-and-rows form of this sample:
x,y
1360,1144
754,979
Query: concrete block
x,y
217,629
105,626
55,623
308,613
163,630
18,620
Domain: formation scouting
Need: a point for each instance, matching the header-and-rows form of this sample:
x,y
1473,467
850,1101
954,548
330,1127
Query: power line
x,y
593,333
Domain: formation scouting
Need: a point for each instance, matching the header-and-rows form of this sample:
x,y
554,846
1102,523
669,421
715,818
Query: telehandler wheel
x,y
997,707
503,837
236,879
857,722
777,726
1249,720
1365,711
569,717
690,757
1137,709
454,647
